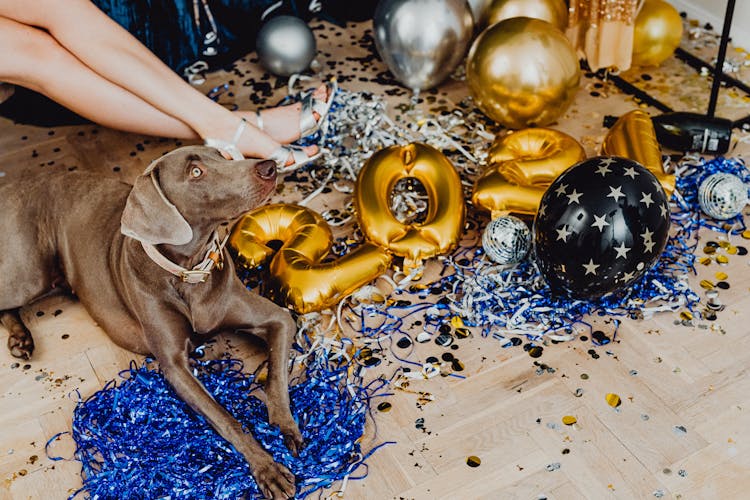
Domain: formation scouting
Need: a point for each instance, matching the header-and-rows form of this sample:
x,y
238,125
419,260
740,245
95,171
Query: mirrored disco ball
x,y
506,240
722,196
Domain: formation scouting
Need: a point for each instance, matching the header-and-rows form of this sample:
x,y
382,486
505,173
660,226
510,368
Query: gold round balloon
x,y
554,12
658,31
298,275
522,72
521,166
440,231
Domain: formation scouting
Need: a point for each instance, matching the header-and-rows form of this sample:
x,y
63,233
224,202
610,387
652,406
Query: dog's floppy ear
x,y
150,217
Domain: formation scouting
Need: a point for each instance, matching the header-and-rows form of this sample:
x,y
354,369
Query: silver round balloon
x,y
422,41
722,196
285,45
506,240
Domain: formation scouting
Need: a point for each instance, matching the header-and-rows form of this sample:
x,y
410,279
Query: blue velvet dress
x,y
176,30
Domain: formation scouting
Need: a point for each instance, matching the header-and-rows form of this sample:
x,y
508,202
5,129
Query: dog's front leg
x,y
170,345
278,334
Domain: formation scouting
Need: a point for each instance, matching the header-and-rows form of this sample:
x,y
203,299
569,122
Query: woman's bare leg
x,y
33,59
93,38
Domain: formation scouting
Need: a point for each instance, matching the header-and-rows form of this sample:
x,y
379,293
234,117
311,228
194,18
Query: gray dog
x,y
146,262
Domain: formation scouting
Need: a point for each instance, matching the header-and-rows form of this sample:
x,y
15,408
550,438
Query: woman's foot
x,y
246,141
282,123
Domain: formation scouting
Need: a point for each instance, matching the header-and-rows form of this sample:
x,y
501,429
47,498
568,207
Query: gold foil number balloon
x,y
521,166
299,275
658,31
440,231
522,72
633,136
554,12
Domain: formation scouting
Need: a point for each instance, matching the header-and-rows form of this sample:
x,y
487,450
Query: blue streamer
x,y
139,439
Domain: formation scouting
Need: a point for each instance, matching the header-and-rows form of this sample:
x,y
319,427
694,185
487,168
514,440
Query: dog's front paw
x,y
20,344
292,436
274,480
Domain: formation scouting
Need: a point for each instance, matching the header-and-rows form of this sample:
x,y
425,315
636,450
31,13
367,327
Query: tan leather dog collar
x,y
199,273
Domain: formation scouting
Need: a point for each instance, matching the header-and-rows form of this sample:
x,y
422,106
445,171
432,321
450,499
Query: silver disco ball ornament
x,y
285,45
722,196
506,240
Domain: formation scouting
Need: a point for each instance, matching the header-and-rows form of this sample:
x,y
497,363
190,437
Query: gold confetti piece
x,y
731,250
705,260
724,244
722,259
613,400
709,250
569,420
720,276
686,315
457,322
746,234
473,461
707,284
462,333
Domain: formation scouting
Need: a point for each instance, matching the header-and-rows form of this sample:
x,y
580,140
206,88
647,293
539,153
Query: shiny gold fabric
x,y
602,31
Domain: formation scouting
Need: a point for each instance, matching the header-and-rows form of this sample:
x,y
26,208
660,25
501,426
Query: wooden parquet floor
x,y
682,430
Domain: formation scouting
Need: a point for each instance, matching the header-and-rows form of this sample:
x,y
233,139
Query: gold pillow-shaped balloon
x,y
440,231
521,166
633,136
299,276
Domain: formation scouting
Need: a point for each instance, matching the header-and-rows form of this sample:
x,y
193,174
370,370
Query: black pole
x,y
719,68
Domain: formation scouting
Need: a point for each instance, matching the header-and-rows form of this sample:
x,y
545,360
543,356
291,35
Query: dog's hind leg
x,y
20,342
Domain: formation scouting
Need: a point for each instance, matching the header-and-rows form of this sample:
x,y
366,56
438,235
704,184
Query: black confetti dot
x,y
723,285
403,342
385,406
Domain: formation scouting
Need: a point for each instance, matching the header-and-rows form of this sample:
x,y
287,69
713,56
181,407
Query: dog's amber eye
x,y
196,172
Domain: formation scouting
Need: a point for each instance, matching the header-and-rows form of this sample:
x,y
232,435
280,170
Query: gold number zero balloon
x,y
303,281
554,12
633,136
657,33
440,231
521,166
522,72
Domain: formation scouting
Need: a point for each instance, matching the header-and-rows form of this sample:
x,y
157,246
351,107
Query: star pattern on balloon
x,y
600,222
630,172
646,199
591,267
563,233
622,251
560,191
574,197
590,238
615,193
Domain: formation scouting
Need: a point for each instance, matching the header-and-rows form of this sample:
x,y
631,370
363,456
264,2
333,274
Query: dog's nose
x,y
266,169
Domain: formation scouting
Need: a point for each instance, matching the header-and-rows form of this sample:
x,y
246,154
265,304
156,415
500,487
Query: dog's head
x,y
193,186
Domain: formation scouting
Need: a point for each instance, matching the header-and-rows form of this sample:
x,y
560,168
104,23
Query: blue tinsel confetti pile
x,y
138,439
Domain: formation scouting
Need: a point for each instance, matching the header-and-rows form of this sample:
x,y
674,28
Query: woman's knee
x,y
27,53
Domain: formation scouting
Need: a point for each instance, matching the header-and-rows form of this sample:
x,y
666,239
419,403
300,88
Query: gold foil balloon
x,y
440,231
658,31
522,72
633,136
521,166
554,12
298,275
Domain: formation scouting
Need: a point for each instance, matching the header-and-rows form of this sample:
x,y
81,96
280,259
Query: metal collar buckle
x,y
194,276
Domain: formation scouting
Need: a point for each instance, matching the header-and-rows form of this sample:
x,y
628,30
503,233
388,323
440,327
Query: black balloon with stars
x,y
600,226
